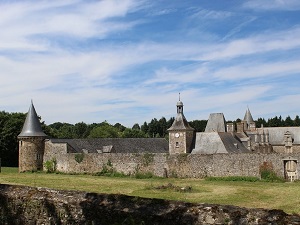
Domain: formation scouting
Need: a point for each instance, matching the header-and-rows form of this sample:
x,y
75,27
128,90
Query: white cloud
x,y
280,5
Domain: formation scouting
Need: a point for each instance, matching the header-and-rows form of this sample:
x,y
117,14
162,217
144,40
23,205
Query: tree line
x,y
11,125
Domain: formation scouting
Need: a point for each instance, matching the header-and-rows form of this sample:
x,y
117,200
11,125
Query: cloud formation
x,y
126,60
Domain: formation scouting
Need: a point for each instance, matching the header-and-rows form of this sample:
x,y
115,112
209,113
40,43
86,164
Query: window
x,y
177,144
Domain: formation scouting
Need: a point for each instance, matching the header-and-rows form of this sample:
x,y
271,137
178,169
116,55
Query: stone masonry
x,y
20,205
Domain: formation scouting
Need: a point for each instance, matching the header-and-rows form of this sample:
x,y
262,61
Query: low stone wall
x,y
27,205
175,165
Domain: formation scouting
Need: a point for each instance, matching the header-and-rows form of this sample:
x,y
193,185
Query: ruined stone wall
x,y
28,205
171,165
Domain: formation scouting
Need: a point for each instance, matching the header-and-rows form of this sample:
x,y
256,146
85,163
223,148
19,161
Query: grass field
x,y
285,196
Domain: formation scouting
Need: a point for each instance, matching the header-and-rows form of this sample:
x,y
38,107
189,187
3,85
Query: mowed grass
x,y
285,196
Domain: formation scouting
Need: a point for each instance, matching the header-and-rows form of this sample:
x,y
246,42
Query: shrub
x,y
50,165
109,171
268,174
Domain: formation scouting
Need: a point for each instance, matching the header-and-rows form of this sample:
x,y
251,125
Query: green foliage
x,y
133,133
233,178
105,130
147,175
50,165
198,125
79,157
10,127
268,174
109,171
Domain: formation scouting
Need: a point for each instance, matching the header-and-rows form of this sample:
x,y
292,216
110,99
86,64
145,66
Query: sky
x,y
127,61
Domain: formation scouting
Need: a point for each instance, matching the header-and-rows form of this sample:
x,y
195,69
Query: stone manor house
x,y
223,149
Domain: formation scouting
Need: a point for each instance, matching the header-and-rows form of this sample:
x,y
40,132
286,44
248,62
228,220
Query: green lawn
x,y
285,196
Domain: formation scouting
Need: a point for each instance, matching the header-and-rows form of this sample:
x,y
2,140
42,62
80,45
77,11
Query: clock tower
x,y
181,134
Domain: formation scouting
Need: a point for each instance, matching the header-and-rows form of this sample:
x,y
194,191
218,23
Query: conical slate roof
x,y
248,117
32,126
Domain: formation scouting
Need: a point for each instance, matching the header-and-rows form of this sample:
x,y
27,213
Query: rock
x,y
28,205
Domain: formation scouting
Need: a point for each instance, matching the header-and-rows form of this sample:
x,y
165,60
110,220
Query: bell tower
x,y
181,134
31,143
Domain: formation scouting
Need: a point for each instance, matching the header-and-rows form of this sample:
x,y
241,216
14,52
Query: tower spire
x,y
32,126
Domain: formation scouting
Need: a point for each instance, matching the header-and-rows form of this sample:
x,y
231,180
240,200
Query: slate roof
x,y
217,142
208,143
116,145
180,122
232,144
216,123
276,134
32,126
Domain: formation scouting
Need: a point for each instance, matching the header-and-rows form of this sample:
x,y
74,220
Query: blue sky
x,y
126,60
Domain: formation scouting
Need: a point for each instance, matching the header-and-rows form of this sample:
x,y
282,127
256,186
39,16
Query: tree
x,y
297,121
81,130
288,122
198,125
136,126
162,127
10,127
153,128
261,122
133,133
104,131
120,127
145,127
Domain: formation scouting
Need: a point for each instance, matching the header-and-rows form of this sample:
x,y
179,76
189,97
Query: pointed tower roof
x,y
180,122
32,126
248,117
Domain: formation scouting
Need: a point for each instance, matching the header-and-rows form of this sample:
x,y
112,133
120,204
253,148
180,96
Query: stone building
x,y
31,143
223,149
34,145
181,134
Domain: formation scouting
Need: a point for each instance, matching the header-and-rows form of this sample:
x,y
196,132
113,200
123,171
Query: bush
x,y
268,174
50,165
109,171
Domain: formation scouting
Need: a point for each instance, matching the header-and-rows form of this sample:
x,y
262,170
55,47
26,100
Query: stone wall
x,y
161,164
27,205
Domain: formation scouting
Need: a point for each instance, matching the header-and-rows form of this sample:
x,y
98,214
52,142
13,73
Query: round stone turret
x,y
31,143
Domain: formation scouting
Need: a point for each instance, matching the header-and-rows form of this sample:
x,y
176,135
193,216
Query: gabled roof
x,y
116,145
32,126
248,117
